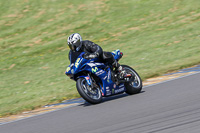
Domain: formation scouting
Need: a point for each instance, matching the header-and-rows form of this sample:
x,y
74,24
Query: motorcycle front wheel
x,y
134,86
91,95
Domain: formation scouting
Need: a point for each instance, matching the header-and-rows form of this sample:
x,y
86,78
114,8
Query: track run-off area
x,y
169,103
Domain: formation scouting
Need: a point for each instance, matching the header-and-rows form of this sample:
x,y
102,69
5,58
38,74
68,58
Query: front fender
x,y
87,78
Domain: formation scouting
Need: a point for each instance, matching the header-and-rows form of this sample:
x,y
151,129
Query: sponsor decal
x,y
72,71
99,63
113,91
99,72
108,92
105,78
121,86
77,62
94,64
68,69
87,78
108,80
94,70
119,90
109,76
114,86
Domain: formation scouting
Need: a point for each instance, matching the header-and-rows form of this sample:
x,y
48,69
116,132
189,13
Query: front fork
x,y
92,84
89,81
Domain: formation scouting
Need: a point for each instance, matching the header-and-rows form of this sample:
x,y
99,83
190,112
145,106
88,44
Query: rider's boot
x,y
121,72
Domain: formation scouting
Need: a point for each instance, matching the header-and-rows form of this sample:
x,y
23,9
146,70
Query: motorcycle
x,y
95,80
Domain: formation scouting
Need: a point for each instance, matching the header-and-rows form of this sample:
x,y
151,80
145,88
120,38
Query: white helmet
x,y
74,42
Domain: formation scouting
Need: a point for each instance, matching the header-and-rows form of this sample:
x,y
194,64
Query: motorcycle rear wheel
x,y
91,95
134,86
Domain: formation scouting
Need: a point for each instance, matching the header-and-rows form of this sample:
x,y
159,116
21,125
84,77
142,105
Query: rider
x,y
92,50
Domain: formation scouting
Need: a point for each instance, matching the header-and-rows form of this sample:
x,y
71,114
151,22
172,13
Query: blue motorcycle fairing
x,y
81,64
117,54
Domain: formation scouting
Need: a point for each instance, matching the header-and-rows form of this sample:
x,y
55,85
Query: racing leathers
x,y
93,50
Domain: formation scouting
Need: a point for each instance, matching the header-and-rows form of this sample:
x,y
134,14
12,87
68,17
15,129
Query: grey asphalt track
x,y
169,107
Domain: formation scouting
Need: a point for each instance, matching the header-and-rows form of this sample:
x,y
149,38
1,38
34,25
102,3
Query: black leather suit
x,y
92,48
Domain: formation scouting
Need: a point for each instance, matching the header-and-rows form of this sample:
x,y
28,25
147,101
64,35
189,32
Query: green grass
x,y
156,36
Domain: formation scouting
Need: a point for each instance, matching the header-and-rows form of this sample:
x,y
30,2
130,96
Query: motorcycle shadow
x,y
110,98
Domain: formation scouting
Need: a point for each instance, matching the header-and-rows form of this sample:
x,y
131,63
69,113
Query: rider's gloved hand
x,y
90,56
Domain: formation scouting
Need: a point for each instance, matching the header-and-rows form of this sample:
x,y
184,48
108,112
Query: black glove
x,y
90,56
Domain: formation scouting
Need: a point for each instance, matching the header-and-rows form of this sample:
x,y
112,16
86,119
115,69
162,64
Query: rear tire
x,y
92,96
134,86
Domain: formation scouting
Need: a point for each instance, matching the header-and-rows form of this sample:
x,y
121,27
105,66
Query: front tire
x,y
134,86
92,96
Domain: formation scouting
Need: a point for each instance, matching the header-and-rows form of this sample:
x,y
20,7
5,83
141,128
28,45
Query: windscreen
x,y
74,56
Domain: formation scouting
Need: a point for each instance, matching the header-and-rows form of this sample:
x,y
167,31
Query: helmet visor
x,y
71,46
